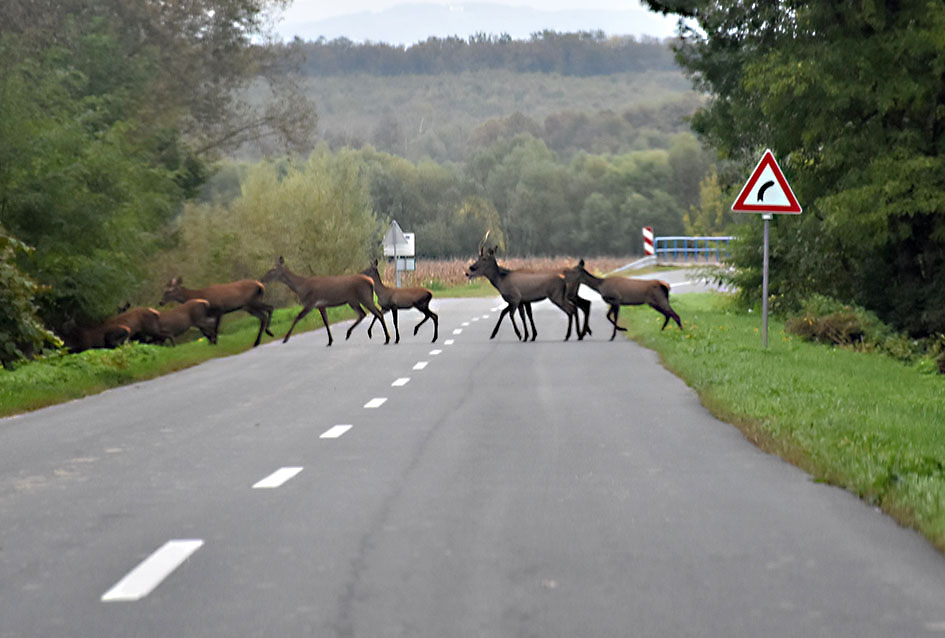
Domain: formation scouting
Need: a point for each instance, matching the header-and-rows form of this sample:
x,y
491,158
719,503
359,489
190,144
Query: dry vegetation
x,y
439,273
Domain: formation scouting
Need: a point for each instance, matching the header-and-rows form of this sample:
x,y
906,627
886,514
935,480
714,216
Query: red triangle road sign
x,y
766,191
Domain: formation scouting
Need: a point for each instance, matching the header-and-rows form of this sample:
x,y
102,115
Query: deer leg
x,y
427,314
508,310
298,317
268,310
612,317
373,321
379,314
216,327
584,305
361,315
521,314
260,313
531,320
393,315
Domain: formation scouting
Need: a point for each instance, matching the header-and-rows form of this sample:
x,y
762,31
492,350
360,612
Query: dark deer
x,y
193,313
144,323
326,292
245,294
623,291
520,289
78,339
394,298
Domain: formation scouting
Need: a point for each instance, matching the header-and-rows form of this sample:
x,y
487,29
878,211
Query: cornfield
x,y
440,273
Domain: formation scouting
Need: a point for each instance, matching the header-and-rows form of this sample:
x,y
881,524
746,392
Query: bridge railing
x,y
696,249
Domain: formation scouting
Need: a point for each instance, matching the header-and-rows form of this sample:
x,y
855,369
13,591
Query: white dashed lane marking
x,y
277,478
420,365
375,402
335,431
151,572
402,381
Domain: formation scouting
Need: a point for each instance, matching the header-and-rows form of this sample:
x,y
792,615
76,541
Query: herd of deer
x,y
203,308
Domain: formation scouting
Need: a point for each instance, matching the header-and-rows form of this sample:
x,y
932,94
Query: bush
x,y
825,320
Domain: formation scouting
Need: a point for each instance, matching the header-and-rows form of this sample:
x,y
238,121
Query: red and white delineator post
x,y
648,249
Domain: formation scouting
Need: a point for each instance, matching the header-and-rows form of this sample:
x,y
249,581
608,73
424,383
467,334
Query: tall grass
x,y
863,421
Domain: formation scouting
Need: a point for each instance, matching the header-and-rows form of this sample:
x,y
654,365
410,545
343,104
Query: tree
x,y
849,97
21,330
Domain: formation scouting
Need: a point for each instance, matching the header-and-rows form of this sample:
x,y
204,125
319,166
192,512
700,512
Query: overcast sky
x,y
301,12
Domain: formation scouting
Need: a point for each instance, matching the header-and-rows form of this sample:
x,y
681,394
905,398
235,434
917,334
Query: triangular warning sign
x,y
766,191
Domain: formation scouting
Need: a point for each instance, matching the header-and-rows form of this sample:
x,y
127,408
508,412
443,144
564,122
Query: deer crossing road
x,y
553,489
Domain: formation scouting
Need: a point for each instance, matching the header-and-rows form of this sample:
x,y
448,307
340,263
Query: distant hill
x,y
410,23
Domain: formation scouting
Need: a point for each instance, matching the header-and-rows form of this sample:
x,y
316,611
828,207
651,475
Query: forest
x,y
141,141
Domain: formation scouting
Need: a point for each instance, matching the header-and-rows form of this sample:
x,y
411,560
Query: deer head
x,y
479,267
172,291
276,272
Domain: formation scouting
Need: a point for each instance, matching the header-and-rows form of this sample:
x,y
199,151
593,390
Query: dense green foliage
x,y
445,117
849,97
585,53
21,330
531,200
862,421
316,214
109,112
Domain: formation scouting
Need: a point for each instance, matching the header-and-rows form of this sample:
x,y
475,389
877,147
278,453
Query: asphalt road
x,y
500,489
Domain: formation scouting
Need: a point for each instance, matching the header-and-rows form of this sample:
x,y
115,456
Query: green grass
x,y
57,378
862,421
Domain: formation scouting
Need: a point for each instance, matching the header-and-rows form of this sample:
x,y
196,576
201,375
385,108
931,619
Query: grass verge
x,y
865,422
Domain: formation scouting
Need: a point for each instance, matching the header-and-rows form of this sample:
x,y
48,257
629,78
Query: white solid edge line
x,y
335,431
375,402
142,580
277,478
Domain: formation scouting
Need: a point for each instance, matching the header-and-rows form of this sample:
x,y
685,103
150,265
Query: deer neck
x,y
379,286
293,281
591,280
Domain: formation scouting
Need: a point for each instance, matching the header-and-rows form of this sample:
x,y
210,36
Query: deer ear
x,y
280,261
581,263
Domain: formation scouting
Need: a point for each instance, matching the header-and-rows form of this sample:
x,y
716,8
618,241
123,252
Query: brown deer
x,y
193,313
623,291
245,294
144,323
394,298
571,291
328,291
520,289
77,339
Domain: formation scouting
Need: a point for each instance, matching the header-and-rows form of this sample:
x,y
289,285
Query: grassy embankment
x,y
862,421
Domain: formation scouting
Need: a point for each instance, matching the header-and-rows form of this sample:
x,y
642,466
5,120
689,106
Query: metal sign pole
x,y
396,268
764,285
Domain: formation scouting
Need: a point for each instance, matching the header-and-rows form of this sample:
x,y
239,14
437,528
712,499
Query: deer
x,y
78,339
394,298
571,291
245,294
193,313
327,291
143,322
623,291
520,289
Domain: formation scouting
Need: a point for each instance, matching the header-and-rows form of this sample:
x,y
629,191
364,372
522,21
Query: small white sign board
x,y
397,243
